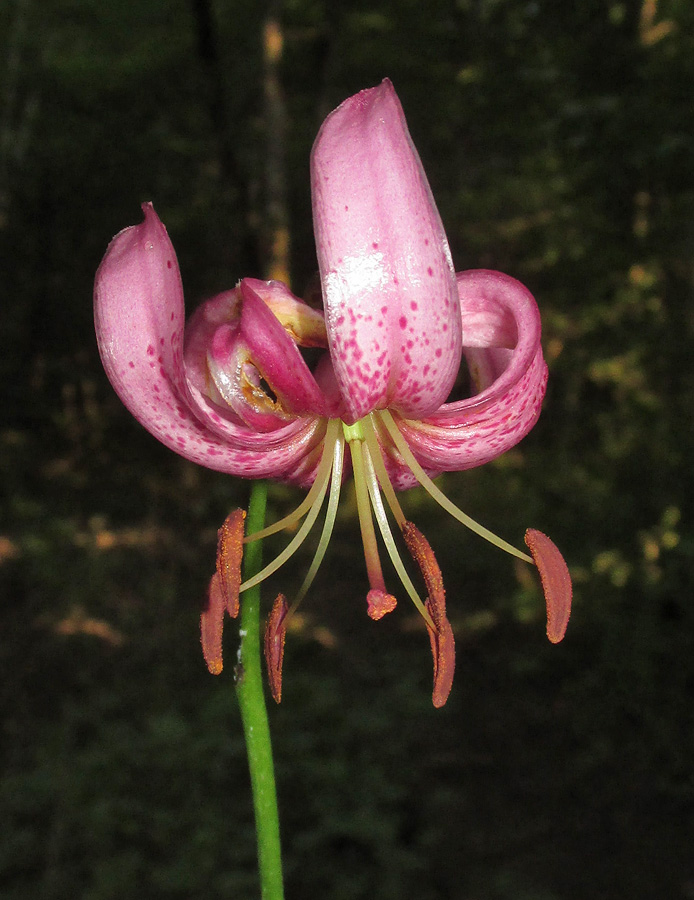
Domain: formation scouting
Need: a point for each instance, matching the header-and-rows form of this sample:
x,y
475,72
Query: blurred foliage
x,y
559,141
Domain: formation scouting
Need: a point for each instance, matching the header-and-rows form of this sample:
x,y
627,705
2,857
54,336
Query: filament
x,y
298,539
380,467
328,524
322,473
439,496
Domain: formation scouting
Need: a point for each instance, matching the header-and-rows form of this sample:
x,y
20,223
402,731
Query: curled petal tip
x,y
275,634
385,265
212,625
380,603
501,328
556,582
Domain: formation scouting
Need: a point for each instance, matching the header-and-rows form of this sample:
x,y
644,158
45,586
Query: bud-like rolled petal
x,y
139,319
389,291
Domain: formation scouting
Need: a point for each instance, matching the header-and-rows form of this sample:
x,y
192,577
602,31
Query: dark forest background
x,y
559,142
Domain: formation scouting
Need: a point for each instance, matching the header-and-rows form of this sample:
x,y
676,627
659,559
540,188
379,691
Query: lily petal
x,y
391,303
139,319
305,325
277,356
501,321
237,340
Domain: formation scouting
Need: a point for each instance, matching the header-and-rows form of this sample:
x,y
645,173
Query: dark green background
x,y
558,139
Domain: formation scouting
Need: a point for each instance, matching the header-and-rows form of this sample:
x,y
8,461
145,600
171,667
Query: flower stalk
x,y
251,698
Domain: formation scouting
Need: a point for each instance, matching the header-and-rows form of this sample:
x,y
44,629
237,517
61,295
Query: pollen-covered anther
x,y
379,603
212,625
443,652
556,582
223,590
441,635
275,634
229,556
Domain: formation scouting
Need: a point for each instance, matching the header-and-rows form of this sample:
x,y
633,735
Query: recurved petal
x,y
239,339
501,328
305,325
139,316
277,357
139,319
389,289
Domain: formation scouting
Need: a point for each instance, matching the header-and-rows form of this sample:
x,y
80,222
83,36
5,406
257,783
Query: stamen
x,y
212,625
328,524
223,590
229,555
438,495
275,634
556,582
440,632
387,534
443,652
302,533
331,434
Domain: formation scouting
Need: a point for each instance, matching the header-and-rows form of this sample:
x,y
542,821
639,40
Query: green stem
x,y
251,697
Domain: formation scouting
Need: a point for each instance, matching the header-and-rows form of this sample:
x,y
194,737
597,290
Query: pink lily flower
x,y
231,390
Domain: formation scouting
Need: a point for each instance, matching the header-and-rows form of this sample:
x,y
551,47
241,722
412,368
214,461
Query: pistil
x,y
379,600
386,533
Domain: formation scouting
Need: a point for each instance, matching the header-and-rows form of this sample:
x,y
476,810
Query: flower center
x,y
372,486
368,439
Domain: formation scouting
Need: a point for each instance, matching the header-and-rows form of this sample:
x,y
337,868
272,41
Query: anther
x,y
556,582
441,635
275,634
229,555
223,590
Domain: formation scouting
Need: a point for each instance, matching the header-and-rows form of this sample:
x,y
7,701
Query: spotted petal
x,y
139,318
501,328
389,291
